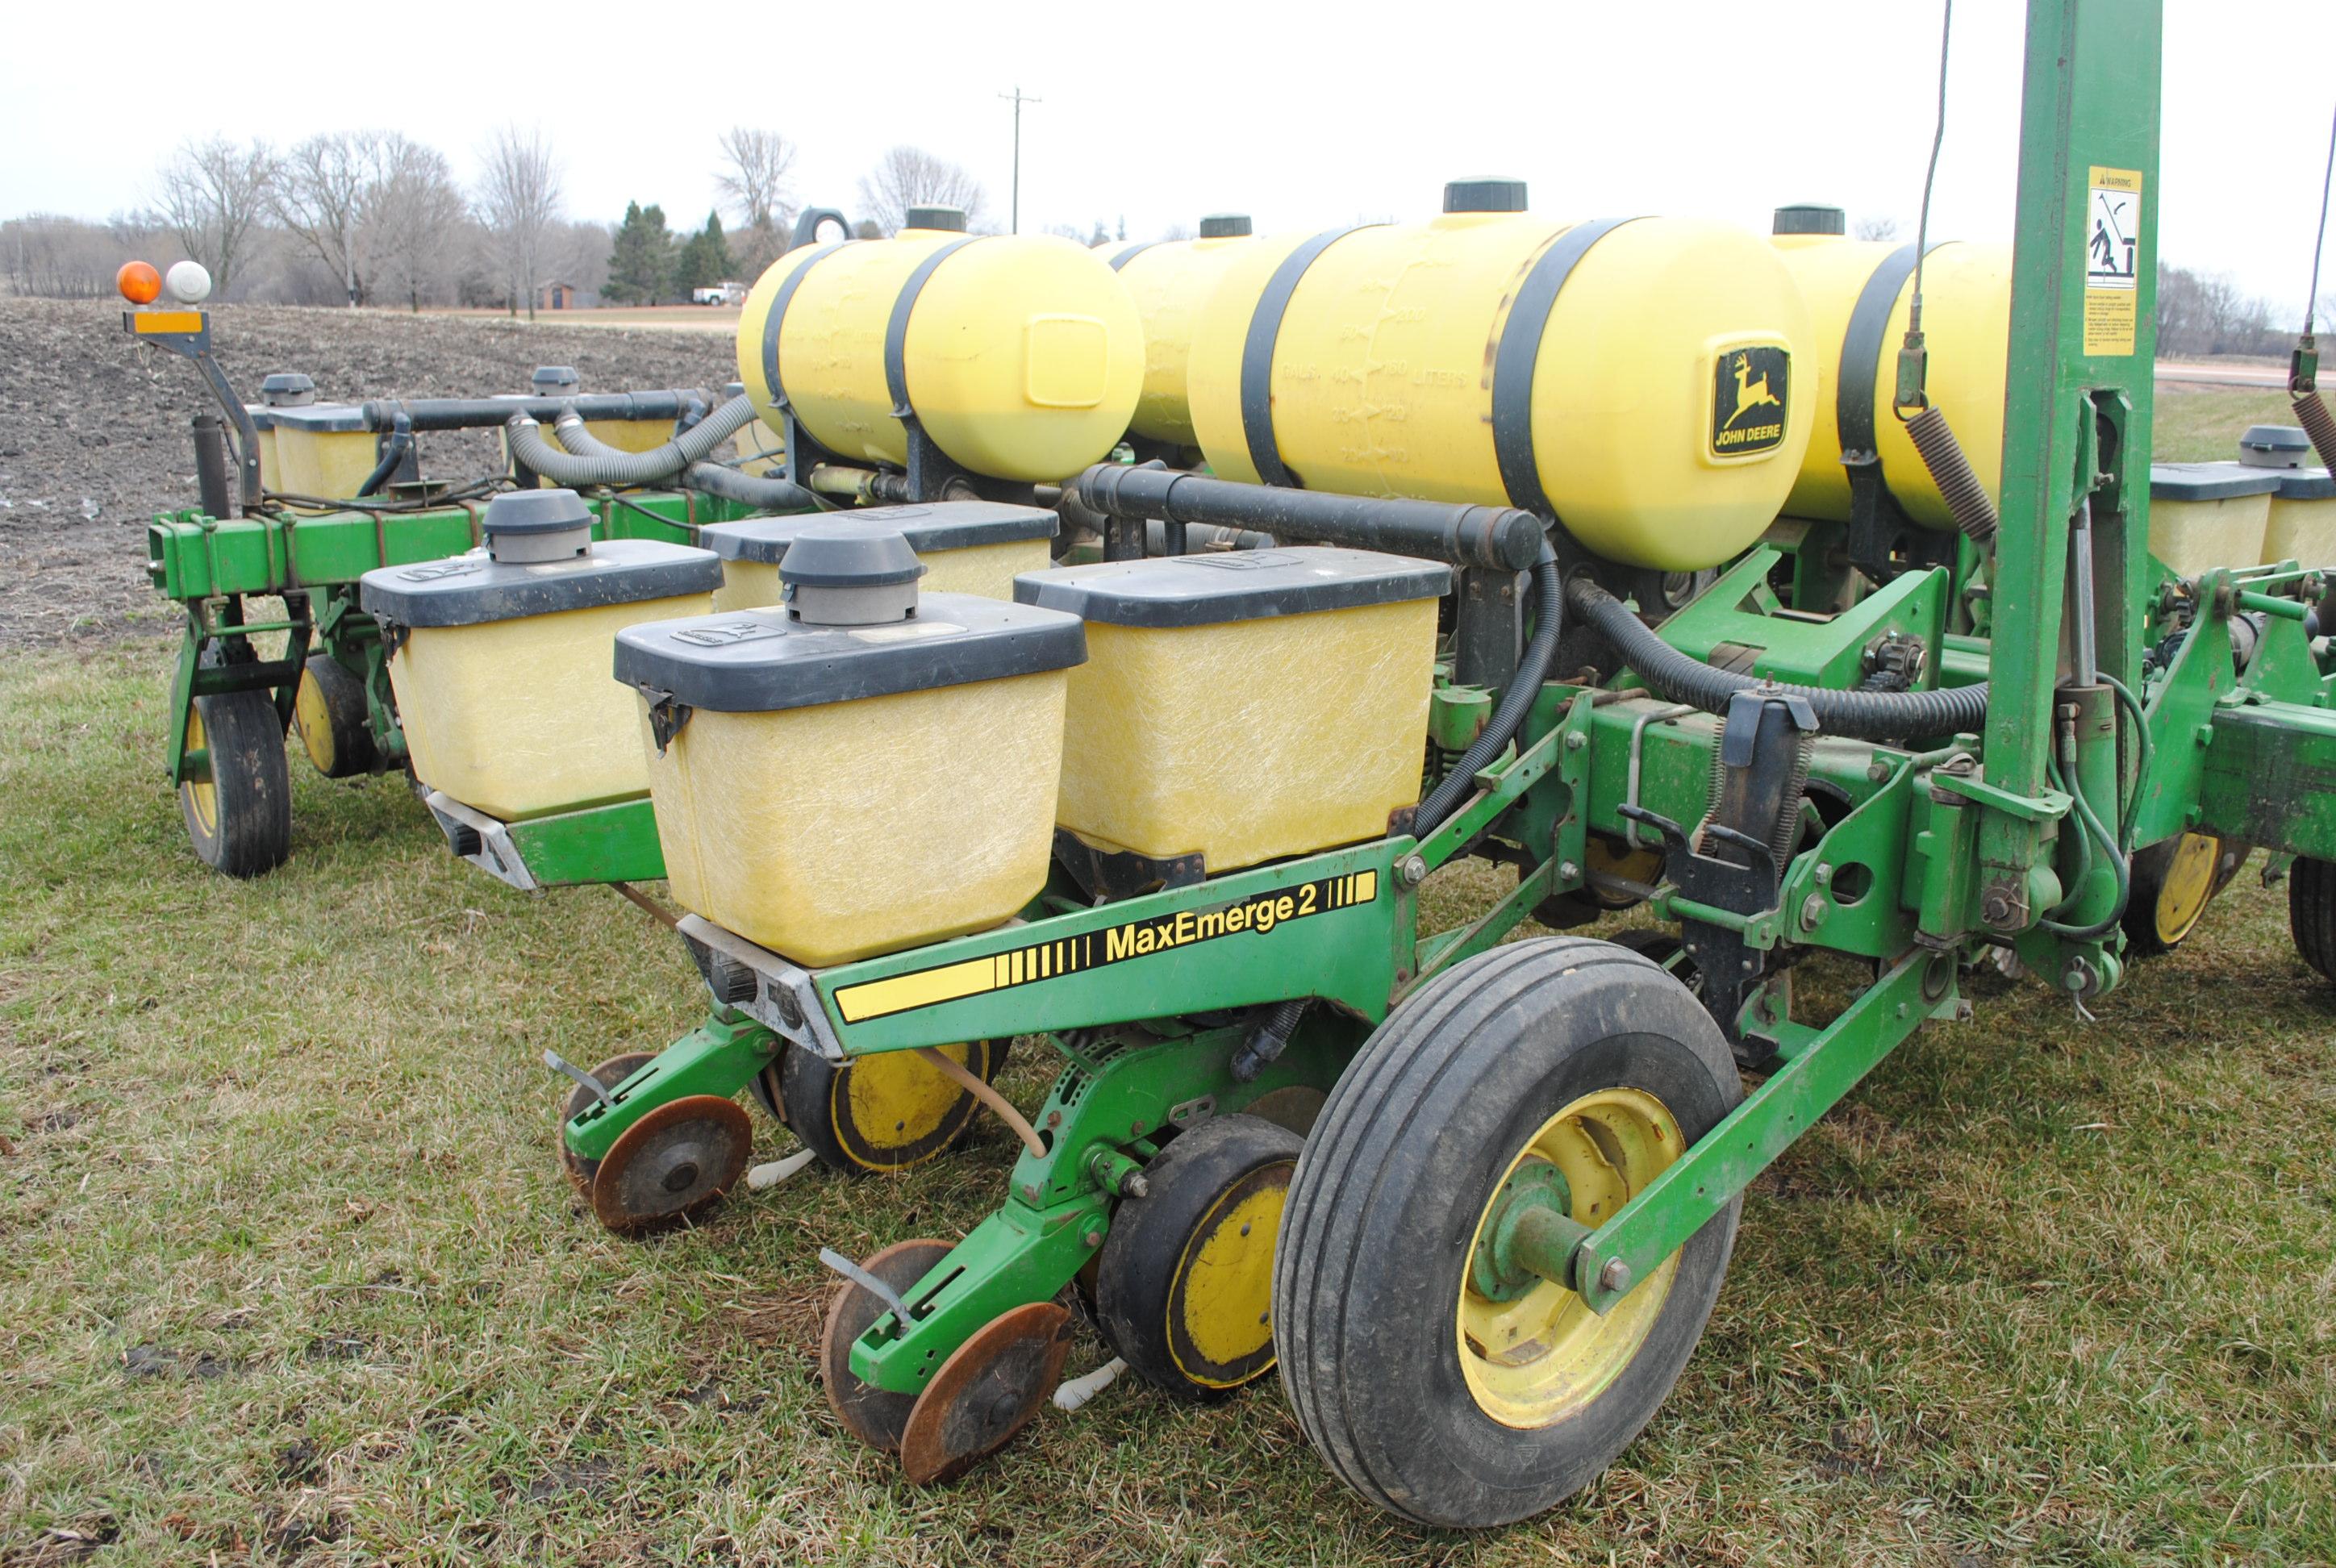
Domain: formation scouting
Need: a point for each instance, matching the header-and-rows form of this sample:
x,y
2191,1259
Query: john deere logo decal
x,y
1748,401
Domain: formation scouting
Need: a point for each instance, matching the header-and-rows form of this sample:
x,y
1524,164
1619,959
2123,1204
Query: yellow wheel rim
x,y
895,1100
201,795
1220,1321
1616,859
314,720
2188,886
1535,1360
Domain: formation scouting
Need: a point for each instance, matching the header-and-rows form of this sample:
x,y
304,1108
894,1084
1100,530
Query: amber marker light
x,y
138,282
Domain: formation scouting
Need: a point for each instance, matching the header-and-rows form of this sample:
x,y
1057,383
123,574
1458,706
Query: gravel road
x,y
93,427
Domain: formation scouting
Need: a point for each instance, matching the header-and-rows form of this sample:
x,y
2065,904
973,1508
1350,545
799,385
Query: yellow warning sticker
x,y
2112,259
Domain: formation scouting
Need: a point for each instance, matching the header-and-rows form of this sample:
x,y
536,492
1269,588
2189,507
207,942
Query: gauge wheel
x,y
1434,1375
2173,883
885,1111
2312,913
238,811
329,712
1185,1290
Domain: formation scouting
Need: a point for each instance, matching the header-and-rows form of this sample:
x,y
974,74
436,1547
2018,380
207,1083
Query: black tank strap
x,y
896,333
1257,354
779,314
1130,252
1520,350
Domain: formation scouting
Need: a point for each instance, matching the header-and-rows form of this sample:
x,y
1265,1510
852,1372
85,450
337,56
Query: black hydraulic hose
x,y
606,467
1516,701
1878,716
440,414
772,494
393,453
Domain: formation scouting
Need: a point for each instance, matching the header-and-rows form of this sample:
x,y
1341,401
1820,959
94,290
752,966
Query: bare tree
x,y
320,196
212,193
754,186
908,177
411,212
1875,229
519,201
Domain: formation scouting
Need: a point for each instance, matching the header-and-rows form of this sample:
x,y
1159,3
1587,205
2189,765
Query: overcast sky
x,y
1302,115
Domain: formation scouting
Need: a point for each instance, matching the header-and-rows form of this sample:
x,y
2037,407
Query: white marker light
x,y
189,281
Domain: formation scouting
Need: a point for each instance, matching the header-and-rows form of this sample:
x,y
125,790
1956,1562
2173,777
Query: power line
x,y
1017,98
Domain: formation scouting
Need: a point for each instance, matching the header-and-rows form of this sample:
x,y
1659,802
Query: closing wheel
x,y
880,1112
608,1075
1610,857
674,1162
2312,915
239,812
2173,883
1186,1276
328,711
986,1391
1437,1370
875,1416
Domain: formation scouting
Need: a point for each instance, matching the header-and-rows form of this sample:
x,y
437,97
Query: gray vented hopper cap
x,y
555,380
287,389
2274,446
1486,193
951,219
523,526
1809,218
839,575
1224,225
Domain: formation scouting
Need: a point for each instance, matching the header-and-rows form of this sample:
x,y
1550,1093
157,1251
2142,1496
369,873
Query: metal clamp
x,y
666,718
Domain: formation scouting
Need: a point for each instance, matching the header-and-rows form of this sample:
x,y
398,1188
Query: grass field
x,y
290,1273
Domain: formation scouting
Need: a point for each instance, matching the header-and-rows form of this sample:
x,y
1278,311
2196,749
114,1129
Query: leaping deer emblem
x,y
1750,393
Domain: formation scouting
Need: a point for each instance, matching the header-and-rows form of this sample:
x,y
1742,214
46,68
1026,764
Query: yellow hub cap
x,y
314,720
1220,1310
2188,886
202,796
1533,1360
894,1099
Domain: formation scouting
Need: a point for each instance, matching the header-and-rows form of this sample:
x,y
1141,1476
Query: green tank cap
x,y
1224,225
951,218
287,389
1486,193
555,380
1809,218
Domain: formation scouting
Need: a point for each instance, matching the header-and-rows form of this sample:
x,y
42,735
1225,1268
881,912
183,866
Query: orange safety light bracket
x,y
187,332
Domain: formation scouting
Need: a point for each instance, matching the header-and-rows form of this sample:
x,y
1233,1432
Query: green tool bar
x,y
1819,1070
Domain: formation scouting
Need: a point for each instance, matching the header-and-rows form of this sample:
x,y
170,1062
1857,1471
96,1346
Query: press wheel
x,y
2173,883
985,1392
875,1416
674,1162
1185,1283
2312,915
329,712
608,1075
239,809
886,1112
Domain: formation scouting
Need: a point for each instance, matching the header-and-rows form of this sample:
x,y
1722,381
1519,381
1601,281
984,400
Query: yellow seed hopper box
x,y
2303,526
966,547
861,769
501,656
323,449
1244,705
2208,514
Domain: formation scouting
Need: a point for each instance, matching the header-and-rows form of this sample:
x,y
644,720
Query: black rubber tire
x,y
249,828
812,1088
329,717
2312,915
1139,1286
1416,1136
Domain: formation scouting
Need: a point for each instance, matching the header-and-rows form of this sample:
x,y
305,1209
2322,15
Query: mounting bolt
x,y
1824,874
1813,911
1567,871
1093,1238
1997,911
1411,871
1615,1277
1575,740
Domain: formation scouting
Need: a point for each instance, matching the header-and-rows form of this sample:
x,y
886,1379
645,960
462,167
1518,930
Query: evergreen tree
x,y
641,265
705,258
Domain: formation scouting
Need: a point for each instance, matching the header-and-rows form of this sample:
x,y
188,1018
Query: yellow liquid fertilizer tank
x,y
1171,281
501,657
966,546
861,769
1019,356
1243,705
1643,379
1859,292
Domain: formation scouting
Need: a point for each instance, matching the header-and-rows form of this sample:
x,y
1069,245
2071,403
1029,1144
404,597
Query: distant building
x,y
565,297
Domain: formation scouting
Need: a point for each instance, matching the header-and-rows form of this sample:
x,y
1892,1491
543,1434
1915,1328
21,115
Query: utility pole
x,y
1014,221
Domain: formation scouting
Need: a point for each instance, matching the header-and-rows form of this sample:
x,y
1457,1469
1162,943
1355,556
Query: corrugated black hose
x,y
1876,715
1267,1041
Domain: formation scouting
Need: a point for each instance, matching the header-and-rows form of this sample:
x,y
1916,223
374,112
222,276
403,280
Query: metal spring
x,y
1951,470
2319,425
